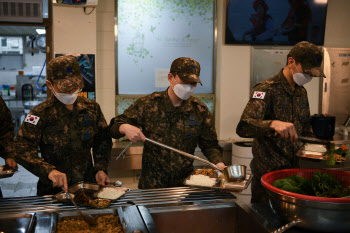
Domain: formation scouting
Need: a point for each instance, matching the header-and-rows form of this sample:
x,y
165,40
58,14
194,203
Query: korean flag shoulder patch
x,y
259,95
32,119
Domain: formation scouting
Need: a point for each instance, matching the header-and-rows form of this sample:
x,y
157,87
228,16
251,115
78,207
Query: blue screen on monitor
x,y
275,22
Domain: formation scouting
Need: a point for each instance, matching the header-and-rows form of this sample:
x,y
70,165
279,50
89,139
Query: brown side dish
x,y
84,199
105,224
206,172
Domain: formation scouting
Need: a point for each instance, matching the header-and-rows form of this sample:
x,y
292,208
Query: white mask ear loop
x,y
296,67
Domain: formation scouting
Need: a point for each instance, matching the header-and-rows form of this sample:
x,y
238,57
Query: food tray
x,y
314,155
223,184
6,171
89,189
17,222
62,215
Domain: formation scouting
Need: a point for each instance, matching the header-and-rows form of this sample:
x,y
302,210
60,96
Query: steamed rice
x,y
110,193
201,180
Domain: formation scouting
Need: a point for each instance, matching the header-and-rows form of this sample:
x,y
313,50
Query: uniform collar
x,y
79,105
169,107
287,87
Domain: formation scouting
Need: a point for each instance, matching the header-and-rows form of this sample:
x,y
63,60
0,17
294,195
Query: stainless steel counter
x,y
222,209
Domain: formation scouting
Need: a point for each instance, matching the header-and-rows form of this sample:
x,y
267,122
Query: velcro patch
x,y
259,95
32,119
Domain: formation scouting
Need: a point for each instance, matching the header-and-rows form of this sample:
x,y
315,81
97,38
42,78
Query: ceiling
x,y
18,30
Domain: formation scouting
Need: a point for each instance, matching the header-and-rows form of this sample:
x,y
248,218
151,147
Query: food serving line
x,y
186,209
157,210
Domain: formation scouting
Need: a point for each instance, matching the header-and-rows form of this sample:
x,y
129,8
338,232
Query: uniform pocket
x,y
87,135
55,135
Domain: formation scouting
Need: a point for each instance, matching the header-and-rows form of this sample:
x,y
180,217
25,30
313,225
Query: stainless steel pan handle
x,y
185,154
286,227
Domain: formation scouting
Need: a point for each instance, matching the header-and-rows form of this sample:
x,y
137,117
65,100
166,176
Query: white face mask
x,y
64,98
183,91
300,78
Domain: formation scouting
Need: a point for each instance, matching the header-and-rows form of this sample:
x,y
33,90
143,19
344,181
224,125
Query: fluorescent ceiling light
x,y
40,31
321,1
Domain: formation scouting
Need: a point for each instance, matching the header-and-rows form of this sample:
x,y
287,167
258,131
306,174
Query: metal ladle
x,y
87,217
231,173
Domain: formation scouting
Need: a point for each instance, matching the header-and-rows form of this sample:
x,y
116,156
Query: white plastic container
x,y
242,155
36,70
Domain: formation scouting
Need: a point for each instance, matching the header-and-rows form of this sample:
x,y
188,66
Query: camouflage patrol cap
x,y
310,57
64,71
187,69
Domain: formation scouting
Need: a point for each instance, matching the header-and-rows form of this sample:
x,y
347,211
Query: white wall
x,y
337,24
76,32
233,68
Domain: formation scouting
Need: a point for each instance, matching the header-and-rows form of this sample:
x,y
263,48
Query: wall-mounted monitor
x,y
275,22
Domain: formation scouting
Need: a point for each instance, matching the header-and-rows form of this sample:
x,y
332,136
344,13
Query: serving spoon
x,y
87,217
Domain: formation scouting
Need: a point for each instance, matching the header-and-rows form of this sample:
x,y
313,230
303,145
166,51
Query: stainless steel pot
x,y
314,215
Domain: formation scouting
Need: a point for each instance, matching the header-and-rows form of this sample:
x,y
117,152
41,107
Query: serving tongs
x,y
125,149
87,217
231,173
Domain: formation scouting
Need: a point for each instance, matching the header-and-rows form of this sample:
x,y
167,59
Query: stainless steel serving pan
x,y
21,222
314,215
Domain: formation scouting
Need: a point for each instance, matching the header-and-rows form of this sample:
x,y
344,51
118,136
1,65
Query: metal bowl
x,y
234,173
314,215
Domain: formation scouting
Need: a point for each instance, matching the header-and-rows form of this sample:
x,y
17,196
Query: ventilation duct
x,y
27,11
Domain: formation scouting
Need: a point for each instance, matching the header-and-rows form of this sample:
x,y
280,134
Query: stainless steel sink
x,y
205,218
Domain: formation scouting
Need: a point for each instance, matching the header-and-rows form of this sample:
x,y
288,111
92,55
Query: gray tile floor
x,y
21,184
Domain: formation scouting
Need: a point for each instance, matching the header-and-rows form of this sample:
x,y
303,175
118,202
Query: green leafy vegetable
x,y
321,184
330,151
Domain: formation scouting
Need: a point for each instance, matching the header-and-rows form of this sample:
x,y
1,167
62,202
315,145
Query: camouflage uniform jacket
x,y
65,139
7,133
280,102
182,127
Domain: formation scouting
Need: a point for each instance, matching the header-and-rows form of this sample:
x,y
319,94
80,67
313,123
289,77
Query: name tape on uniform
x,y
259,95
32,119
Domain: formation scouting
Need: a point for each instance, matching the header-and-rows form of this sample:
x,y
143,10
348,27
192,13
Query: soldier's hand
x,y
12,163
285,129
59,179
133,133
102,178
221,165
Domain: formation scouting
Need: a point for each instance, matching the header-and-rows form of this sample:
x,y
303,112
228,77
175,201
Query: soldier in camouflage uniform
x,y
7,134
277,112
175,118
65,128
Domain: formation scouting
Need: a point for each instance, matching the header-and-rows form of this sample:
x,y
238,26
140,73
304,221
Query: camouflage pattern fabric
x,y
7,133
65,139
64,71
310,57
187,69
180,127
270,151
